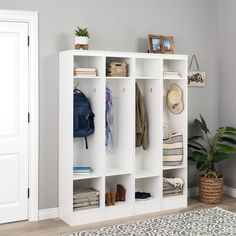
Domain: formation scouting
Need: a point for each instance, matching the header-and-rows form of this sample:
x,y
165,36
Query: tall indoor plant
x,y
207,150
81,38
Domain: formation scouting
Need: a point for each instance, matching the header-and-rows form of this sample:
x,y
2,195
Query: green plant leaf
x,y
204,126
199,156
194,147
201,126
199,145
195,137
223,148
230,129
228,140
220,157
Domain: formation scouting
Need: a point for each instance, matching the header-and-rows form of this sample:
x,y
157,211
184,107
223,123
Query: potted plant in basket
x,y
81,38
206,150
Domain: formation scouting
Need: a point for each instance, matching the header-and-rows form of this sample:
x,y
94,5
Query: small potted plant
x,y
207,150
81,38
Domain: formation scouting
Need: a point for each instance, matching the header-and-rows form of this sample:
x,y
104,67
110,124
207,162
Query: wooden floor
x,y
57,227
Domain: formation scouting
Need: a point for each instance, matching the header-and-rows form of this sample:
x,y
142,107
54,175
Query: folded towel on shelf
x,y
85,193
85,208
80,200
176,182
86,204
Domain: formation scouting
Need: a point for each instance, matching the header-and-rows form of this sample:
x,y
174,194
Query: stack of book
x,y
84,199
117,69
82,170
85,72
171,75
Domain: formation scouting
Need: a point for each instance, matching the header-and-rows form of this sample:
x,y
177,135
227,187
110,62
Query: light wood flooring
x,y
57,227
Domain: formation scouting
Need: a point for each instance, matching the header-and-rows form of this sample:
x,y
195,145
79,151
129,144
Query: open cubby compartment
x,y
177,122
126,182
95,183
128,60
149,185
91,62
175,65
94,155
177,173
119,157
149,67
149,162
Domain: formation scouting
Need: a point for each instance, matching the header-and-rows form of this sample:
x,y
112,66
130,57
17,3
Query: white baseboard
x,y
49,213
230,191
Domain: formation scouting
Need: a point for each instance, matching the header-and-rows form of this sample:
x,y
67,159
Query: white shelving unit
x,y
133,168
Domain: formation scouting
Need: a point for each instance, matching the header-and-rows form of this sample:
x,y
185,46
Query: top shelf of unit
x,y
125,54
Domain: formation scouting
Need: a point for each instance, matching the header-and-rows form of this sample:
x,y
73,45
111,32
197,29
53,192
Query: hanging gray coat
x,y
141,121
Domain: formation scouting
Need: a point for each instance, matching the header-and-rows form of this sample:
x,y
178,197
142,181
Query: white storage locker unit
x,y
134,168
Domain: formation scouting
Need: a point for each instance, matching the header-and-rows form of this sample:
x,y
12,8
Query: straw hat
x,y
174,99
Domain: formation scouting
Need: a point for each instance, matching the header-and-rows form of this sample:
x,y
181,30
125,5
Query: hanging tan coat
x,y
141,121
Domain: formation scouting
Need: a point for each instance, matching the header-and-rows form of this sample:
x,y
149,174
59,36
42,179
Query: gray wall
x,y
227,77
117,25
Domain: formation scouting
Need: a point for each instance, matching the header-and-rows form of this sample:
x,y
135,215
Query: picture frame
x,y
155,43
168,44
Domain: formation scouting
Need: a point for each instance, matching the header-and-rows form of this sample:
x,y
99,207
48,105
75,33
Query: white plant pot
x,y
81,40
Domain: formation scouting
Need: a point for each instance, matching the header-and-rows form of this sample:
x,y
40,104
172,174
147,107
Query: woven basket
x,y
211,188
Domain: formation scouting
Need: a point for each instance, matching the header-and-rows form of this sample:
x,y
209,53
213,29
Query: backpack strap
x,y
86,142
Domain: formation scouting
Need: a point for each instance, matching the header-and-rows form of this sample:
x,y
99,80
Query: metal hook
x,y
123,90
94,90
150,90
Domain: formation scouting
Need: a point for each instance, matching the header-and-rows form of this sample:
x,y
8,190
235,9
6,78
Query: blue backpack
x,y
83,116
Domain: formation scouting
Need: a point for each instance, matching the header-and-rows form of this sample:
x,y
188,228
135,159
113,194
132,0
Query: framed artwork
x,y
168,44
155,43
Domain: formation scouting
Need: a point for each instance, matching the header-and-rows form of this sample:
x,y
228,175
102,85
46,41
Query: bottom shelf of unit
x,y
174,202
147,206
119,210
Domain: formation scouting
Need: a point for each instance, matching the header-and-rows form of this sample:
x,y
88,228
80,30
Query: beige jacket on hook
x,y
141,121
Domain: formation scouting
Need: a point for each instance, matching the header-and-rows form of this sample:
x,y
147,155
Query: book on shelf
x,y
85,71
80,69
82,170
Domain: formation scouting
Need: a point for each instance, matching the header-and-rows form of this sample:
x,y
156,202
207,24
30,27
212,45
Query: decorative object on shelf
x,y
155,43
117,69
196,78
109,121
174,99
172,148
84,199
168,45
82,170
85,72
141,120
171,75
206,151
81,38
83,116
172,186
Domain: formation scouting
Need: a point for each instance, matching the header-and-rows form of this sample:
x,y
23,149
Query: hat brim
x,y
179,107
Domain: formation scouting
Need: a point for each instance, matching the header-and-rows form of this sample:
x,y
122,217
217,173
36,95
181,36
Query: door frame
x,y
30,17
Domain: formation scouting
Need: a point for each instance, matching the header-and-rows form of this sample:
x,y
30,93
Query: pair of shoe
x,y
142,195
112,197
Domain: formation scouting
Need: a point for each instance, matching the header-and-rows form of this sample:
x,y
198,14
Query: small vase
x,y
81,42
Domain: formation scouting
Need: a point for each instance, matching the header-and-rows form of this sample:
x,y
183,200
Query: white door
x,y
13,121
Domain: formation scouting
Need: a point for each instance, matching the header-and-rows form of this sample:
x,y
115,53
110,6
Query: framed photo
x,y
168,44
155,43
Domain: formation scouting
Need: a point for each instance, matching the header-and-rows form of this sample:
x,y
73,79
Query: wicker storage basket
x,y
211,188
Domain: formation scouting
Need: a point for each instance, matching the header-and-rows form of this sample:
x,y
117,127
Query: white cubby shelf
x,y
132,167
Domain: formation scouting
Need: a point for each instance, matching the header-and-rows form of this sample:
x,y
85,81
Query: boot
x,y
113,198
117,197
121,191
108,199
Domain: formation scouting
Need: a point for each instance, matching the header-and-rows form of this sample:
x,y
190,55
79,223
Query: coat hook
x,y
150,89
123,90
94,90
